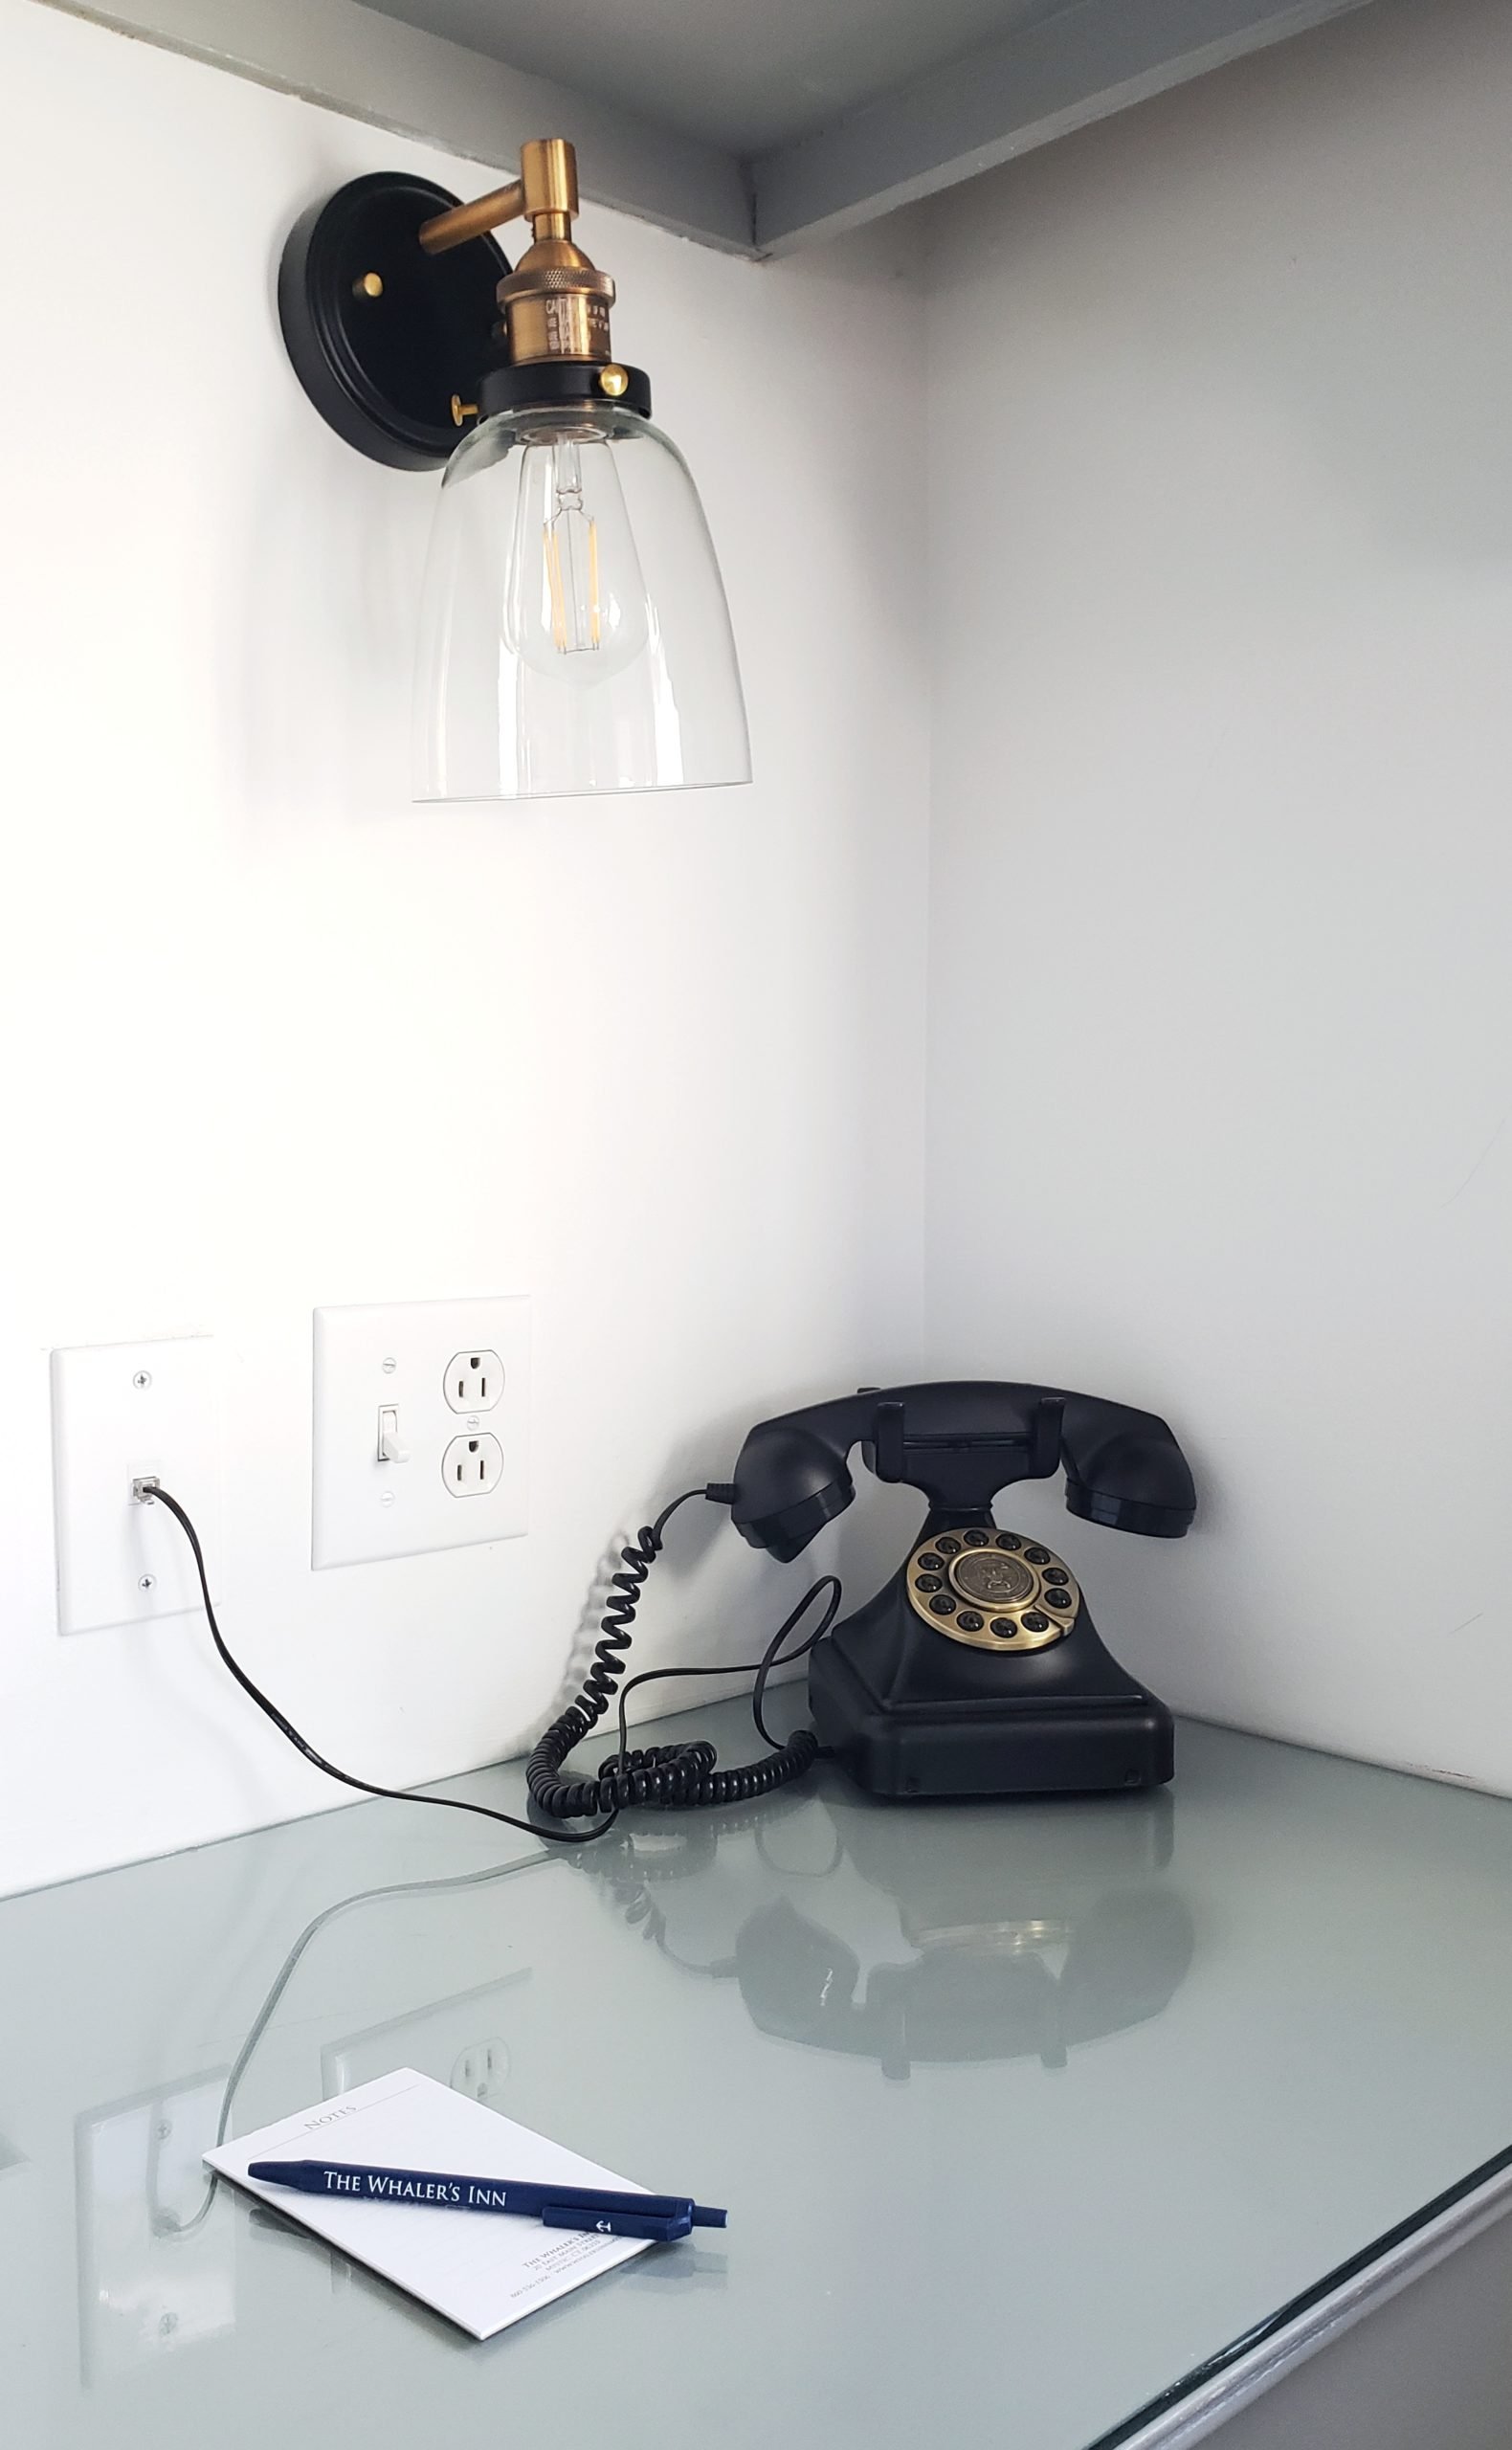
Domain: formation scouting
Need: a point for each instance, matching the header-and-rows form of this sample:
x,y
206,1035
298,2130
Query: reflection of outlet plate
x,y
481,2070
442,2039
155,2268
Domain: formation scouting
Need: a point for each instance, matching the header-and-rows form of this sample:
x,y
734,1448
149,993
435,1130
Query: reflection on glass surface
x,y
1195,2050
156,2272
451,2039
1069,1933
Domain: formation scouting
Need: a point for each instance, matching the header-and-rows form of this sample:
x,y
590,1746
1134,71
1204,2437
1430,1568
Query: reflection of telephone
x,y
1064,1938
1068,1933
977,1669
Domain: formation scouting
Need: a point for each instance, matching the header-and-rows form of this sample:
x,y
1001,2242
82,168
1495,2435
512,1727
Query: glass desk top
x,y
1023,2112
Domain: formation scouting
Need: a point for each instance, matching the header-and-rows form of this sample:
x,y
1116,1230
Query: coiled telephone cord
x,y
667,1778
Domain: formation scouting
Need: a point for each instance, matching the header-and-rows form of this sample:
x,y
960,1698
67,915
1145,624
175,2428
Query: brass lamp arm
x,y
473,220
544,194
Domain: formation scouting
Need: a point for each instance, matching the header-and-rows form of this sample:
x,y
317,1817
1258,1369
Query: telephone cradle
x,y
977,1669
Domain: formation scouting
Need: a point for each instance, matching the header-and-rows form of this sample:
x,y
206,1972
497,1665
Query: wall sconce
x,y
574,635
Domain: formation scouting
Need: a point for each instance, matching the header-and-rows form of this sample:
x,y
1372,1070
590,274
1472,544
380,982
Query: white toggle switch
x,y
390,1450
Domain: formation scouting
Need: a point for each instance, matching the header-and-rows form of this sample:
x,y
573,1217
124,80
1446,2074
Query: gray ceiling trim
x,y
1039,82
373,68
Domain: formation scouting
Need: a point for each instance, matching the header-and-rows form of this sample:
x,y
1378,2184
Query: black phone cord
x,y
724,1786
287,1727
664,1777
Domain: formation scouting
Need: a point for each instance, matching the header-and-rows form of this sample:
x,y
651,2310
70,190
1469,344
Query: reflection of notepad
x,y
482,2270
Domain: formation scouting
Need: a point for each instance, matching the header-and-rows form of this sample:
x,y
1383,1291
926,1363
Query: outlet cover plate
x,y
119,1412
376,1355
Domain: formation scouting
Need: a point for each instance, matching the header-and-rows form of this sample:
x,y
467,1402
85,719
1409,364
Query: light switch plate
x,y
121,1412
464,1477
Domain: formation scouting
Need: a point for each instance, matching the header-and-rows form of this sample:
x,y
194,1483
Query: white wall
x,y
695,1136
1221,550
1221,1062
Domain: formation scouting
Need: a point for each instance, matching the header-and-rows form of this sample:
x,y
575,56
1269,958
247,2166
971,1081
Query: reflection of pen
x,y
616,2215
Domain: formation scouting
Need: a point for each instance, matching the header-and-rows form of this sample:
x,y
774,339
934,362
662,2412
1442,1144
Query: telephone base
x,y
909,1714
1010,1749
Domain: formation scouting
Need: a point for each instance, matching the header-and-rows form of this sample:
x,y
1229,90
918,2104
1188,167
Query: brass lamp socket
x,y
556,305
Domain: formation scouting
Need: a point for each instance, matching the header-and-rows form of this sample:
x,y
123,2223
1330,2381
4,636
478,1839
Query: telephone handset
x,y
958,1442
977,1669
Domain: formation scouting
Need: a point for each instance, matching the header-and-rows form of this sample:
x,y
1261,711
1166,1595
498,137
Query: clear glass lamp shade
x,y
574,635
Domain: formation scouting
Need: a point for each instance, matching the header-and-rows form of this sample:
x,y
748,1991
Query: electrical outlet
x,y
473,1466
391,1434
475,1381
122,1412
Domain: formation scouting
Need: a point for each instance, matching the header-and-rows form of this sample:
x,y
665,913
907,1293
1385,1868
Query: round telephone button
x,y
1002,1625
949,1545
930,1562
1038,1556
1057,1573
943,1603
970,1621
928,1582
1035,1623
977,1538
1010,1540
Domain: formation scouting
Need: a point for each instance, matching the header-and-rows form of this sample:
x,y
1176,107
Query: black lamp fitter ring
x,y
558,382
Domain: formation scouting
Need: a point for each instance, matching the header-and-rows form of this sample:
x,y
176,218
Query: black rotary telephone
x,y
977,1669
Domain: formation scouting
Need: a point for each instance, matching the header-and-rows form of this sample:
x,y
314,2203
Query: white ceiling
x,y
749,75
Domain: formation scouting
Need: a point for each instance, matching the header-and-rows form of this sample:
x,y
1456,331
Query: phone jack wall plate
x,y
421,1427
121,1412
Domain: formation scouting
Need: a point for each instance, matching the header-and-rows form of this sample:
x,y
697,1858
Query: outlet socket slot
x,y
473,1466
474,1381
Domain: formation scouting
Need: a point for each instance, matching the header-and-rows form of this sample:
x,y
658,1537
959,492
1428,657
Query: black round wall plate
x,y
382,368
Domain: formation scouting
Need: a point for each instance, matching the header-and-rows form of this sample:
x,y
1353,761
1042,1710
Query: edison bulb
x,y
574,599
574,635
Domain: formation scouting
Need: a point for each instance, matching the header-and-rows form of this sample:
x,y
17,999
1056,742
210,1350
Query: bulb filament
x,y
569,541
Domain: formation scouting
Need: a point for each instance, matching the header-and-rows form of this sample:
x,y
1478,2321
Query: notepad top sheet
x,y
482,2270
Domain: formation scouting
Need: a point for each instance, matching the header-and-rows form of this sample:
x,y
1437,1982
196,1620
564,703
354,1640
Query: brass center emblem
x,y
990,1577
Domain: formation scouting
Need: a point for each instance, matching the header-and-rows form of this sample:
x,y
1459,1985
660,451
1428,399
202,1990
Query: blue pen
x,y
616,2215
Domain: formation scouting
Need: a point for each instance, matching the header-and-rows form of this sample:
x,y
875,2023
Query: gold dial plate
x,y
992,1590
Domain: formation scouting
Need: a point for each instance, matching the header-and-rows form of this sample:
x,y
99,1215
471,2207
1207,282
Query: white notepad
x,y
482,2270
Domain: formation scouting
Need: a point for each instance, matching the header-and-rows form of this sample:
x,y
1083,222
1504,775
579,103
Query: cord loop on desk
x,y
663,1777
